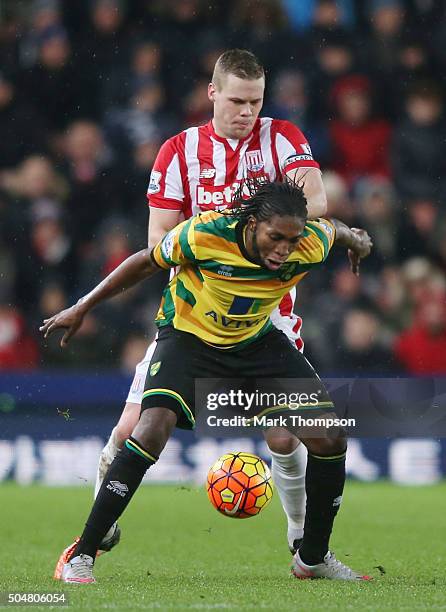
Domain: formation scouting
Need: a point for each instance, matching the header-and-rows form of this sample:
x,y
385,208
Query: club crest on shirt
x,y
254,160
287,271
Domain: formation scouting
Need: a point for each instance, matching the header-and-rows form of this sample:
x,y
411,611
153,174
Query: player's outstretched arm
x,y
134,269
357,241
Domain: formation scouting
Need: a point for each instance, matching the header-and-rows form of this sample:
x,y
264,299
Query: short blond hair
x,y
239,62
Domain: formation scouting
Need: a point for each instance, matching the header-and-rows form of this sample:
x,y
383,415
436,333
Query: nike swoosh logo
x,y
236,507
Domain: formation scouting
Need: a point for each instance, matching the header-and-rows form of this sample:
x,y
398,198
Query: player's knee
x,y
281,441
327,447
154,428
338,438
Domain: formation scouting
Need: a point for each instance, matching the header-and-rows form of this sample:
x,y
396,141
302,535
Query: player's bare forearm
x,y
313,188
357,241
133,270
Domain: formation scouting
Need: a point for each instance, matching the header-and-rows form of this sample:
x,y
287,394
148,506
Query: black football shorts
x,y
181,358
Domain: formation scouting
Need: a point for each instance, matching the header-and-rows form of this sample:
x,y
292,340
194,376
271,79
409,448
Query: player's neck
x,y
220,132
247,244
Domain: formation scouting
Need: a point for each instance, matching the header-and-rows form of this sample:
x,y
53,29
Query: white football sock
x,y
106,457
288,472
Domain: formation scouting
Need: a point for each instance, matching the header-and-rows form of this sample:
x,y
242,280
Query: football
x,y
239,485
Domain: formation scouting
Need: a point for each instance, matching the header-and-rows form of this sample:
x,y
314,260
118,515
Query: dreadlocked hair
x,y
262,200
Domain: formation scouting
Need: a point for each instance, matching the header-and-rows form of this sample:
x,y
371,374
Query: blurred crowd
x,y
90,89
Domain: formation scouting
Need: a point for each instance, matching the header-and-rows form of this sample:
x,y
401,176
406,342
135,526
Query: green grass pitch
x,y
178,553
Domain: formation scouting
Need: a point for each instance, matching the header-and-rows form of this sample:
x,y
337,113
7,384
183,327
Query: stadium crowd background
x,y
90,89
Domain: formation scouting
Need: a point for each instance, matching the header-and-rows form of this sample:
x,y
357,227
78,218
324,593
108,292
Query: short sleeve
x,y
165,188
324,234
177,247
293,149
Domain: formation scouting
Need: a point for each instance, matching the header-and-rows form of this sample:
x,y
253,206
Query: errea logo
x,y
337,501
225,270
118,487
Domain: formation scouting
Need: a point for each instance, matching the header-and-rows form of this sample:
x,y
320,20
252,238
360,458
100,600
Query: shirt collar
x,y
214,135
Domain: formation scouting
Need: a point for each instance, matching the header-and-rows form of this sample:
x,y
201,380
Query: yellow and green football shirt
x,y
218,294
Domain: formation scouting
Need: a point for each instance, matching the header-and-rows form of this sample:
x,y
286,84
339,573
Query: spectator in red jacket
x,y
17,349
421,349
360,143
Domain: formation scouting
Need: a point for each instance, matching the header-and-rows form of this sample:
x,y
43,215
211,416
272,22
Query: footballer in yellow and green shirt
x,y
222,293
214,322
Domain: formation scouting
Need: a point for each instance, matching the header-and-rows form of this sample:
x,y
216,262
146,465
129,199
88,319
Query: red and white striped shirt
x,y
198,170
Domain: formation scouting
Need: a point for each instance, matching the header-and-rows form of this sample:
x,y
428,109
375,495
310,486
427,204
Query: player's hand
x,y
361,249
69,319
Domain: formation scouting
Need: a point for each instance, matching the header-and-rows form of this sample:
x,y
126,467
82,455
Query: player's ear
x,y
211,92
252,223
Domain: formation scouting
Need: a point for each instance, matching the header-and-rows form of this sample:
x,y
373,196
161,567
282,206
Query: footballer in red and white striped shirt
x,y
198,170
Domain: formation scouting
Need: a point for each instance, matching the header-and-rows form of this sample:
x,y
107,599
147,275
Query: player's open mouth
x,y
274,264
